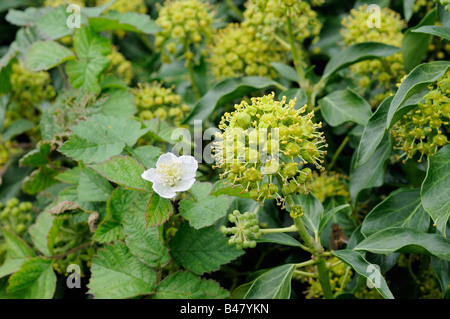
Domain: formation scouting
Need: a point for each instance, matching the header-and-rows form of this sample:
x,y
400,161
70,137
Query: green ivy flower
x,y
238,52
425,128
185,25
329,184
120,66
245,232
268,141
154,100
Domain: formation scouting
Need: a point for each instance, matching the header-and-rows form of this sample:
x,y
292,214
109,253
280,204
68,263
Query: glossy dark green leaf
x,y
357,53
405,240
435,190
357,261
272,284
439,31
224,92
401,208
371,174
415,45
442,270
279,238
344,106
373,133
419,78
285,71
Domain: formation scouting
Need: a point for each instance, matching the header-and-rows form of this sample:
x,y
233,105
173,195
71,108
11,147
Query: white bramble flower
x,y
172,174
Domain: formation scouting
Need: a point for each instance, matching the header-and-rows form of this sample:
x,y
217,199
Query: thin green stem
x,y
338,152
306,274
195,89
342,286
286,45
279,230
235,9
317,250
306,263
295,54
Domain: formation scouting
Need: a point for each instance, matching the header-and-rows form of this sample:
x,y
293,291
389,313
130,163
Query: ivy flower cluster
x,y
126,5
185,26
268,141
445,3
245,232
269,18
120,66
238,52
425,128
387,71
29,89
154,100
329,184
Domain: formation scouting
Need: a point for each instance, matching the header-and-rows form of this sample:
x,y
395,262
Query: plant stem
x,y
306,274
279,230
338,152
306,263
190,67
318,252
235,9
67,253
295,55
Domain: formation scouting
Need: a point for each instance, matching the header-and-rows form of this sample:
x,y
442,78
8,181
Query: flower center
x,y
171,173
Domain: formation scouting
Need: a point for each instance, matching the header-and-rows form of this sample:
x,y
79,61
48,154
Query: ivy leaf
x,y
313,210
406,240
101,137
202,250
17,252
415,45
117,274
286,71
401,208
205,211
357,261
371,174
373,133
279,238
272,284
419,78
436,188
356,53
439,31
93,187
442,270
186,285
224,92
45,55
34,280
345,106
158,210
144,242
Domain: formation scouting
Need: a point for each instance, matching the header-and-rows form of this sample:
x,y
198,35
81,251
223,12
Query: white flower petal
x,y
183,185
189,166
151,175
166,158
163,190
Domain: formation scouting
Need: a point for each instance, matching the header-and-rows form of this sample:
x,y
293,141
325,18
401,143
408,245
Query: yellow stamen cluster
x,y
154,100
238,52
329,184
119,66
266,143
425,128
185,26
386,71
57,3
